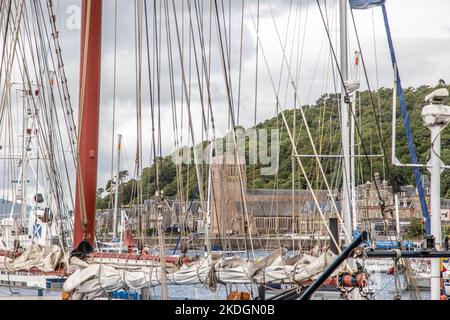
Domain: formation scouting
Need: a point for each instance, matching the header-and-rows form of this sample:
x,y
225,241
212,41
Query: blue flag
x,y
365,4
37,230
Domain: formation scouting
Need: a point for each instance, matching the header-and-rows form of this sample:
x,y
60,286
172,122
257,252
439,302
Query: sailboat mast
x,y
208,208
345,124
354,97
24,164
88,121
116,195
353,163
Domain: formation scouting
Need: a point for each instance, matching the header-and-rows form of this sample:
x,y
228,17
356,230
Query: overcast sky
x,y
420,30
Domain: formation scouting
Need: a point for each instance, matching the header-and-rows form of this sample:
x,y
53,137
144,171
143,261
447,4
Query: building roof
x,y
268,208
445,204
287,192
410,191
193,206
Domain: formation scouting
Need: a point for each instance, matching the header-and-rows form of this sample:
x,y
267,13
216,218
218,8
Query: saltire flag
x,y
37,230
365,4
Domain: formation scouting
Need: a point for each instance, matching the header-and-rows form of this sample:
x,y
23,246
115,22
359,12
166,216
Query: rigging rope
x,y
358,129
247,224
113,125
330,192
313,193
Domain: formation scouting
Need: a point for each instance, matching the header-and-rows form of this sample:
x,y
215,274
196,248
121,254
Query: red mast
x,y
88,124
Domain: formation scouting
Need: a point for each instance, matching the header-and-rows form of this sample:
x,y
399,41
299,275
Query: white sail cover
x,y
43,258
96,280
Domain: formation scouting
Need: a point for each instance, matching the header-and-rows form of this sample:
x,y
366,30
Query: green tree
x,y
416,229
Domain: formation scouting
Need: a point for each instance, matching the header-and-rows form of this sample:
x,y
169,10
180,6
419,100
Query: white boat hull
x,y
23,279
423,281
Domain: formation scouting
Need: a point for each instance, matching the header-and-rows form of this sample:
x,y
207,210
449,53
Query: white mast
x,y
353,86
122,228
397,217
345,124
208,207
116,196
436,117
352,164
25,145
21,188
435,202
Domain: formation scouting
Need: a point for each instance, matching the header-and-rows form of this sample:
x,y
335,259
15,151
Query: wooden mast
x,y
88,121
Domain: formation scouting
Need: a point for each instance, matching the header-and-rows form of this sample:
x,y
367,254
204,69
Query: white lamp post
x,y
436,117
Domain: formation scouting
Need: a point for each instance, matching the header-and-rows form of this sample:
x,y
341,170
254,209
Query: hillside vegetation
x,y
324,123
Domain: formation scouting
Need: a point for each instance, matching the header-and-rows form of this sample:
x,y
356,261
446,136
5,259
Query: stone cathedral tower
x,y
227,212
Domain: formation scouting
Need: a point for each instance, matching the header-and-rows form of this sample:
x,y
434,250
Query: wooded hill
x,y
324,122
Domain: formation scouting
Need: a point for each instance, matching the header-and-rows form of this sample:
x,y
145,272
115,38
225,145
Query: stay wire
x,y
372,103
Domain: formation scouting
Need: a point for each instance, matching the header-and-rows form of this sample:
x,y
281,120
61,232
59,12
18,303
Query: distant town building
x,y
279,211
230,215
235,208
